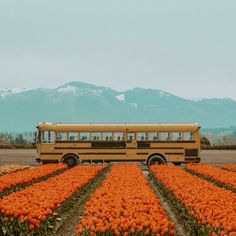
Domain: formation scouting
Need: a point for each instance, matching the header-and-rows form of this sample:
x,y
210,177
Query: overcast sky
x,y
184,47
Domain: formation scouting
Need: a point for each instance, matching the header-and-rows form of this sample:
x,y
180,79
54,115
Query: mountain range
x,y
22,109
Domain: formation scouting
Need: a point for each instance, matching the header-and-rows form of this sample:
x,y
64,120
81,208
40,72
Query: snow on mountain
x,y
121,97
163,94
79,89
67,89
7,92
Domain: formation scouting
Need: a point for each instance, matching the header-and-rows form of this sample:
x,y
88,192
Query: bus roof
x,y
105,127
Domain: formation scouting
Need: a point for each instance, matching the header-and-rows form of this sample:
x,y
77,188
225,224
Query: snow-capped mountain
x,y
22,109
8,92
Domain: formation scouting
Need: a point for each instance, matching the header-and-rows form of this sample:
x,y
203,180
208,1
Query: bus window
x,y
47,136
188,136
130,136
165,136
153,136
119,136
176,136
141,136
73,136
61,136
107,136
96,136
84,136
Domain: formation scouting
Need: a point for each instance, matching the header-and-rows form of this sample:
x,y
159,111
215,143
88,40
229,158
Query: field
x,y
27,156
121,199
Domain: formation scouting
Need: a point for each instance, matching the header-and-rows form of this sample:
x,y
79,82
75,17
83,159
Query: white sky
x,y
183,47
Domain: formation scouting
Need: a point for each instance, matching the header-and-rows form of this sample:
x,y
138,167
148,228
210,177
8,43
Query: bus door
x,y
47,141
131,145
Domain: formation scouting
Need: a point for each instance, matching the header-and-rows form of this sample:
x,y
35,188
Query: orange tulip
x,y
25,176
212,206
40,200
124,203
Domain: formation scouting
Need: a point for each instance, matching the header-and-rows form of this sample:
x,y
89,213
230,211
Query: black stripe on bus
x,y
115,160
102,153
166,148
142,153
72,148
51,153
119,148
174,153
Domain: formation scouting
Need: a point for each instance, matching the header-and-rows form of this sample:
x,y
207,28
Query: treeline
x,y
17,138
230,131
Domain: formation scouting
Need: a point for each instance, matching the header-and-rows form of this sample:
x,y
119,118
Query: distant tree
x,y
205,141
19,139
234,134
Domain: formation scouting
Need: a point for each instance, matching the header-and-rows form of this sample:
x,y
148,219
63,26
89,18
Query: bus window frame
x,y
88,137
74,140
67,138
122,138
50,134
110,138
133,140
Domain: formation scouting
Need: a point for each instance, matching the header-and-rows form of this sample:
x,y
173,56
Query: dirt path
x,y
18,156
71,218
27,156
179,226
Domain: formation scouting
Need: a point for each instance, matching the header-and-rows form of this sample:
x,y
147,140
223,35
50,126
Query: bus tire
x,y
71,160
156,160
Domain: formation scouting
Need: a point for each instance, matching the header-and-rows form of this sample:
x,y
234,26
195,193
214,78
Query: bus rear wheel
x,y
70,160
156,160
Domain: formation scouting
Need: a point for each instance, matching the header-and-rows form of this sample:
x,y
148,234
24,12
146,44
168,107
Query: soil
x,y
179,224
27,156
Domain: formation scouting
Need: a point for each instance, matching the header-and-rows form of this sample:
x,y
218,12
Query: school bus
x,y
149,143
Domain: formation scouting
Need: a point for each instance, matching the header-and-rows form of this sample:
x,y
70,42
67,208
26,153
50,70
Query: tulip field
x,y
118,199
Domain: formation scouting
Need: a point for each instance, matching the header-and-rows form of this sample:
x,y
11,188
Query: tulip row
x,y
6,169
26,210
230,167
210,172
25,176
213,208
125,205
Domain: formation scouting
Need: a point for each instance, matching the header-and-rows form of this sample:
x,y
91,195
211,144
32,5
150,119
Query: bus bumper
x,y
193,160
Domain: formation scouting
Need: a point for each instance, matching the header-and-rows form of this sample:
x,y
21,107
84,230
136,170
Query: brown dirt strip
x,y
174,217
71,218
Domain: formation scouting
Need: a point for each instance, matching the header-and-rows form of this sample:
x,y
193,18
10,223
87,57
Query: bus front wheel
x,y
70,160
156,160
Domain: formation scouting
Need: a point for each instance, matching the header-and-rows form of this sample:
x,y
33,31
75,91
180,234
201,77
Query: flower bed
x,y
210,172
25,176
6,169
211,210
41,200
125,205
230,168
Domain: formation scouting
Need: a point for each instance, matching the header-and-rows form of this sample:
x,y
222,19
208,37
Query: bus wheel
x,y
156,160
70,160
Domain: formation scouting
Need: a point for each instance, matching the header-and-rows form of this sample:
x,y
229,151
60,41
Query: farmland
x,y
117,199
27,157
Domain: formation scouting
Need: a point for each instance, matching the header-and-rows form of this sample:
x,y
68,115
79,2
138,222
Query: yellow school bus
x,y
149,143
